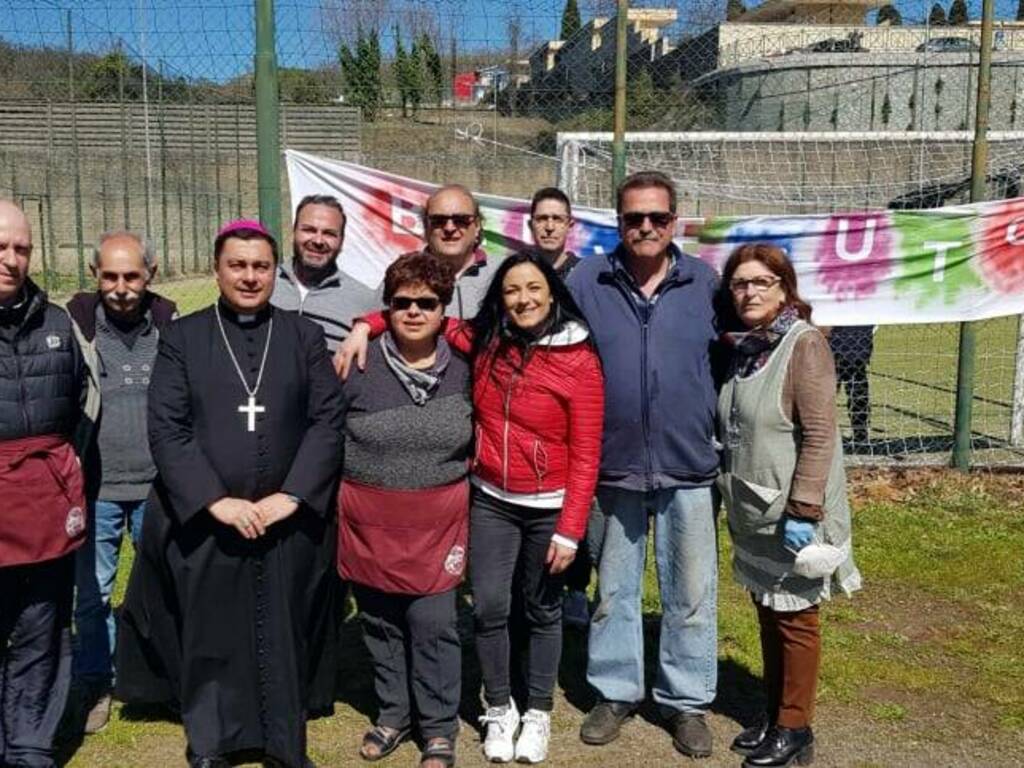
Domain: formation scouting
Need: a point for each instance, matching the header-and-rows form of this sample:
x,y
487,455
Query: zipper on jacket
x,y
21,384
645,404
17,369
505,431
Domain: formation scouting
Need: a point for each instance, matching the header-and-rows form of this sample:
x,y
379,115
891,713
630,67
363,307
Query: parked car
x,y
836,45
948,45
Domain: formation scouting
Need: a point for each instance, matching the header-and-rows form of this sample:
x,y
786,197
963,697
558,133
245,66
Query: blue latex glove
x,y
797,534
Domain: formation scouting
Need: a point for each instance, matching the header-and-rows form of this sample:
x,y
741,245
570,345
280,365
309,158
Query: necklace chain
x,y
238,369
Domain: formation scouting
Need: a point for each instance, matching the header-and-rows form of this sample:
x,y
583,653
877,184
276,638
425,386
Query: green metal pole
x,y
125,178
79,226
238,161
164,234
181,227
979,172
192,188
268,142
621,64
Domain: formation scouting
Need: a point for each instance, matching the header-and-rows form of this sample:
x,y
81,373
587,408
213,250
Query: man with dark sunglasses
x,y
453,228
650,308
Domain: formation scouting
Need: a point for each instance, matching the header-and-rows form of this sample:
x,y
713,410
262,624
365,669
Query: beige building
x,y
580,68
778,27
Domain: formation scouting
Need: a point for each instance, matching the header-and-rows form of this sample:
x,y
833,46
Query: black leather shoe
x,y
690,734
751,738
783,747
604,721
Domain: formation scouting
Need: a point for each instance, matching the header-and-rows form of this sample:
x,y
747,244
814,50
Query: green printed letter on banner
x,y
936,254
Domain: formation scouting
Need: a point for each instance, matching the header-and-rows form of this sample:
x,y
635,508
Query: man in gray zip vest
x,y
313,285
120,322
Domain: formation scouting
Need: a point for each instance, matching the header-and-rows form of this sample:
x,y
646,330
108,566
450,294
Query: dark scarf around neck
x,y
755,347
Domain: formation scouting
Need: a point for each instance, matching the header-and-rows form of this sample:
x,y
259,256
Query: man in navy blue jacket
x,y
651,312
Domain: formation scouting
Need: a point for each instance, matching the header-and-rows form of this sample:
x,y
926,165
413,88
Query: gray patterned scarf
x,y
419,383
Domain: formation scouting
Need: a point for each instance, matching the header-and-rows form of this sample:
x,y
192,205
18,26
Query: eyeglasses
x,y
636,219
551,218
759,284
460,220
425,303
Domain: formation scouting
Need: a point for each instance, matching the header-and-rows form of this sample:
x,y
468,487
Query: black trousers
x,y
417,659
35,658
507,540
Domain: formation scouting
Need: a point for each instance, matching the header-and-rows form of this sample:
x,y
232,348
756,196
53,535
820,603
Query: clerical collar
x,y
246,319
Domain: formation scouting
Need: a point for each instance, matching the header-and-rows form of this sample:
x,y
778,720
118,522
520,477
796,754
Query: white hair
x,y
148,256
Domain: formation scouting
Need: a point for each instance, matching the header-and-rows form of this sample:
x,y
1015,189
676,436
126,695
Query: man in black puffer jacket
x,y
44,396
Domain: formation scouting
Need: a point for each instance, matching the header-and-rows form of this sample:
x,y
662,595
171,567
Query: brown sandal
x,y
385,739
440,749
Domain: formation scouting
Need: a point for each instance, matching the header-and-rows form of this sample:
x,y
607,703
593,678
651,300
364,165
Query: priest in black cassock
x,y
229,606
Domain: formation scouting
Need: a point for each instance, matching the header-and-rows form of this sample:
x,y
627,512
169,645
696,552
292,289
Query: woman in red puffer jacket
x,y
538,403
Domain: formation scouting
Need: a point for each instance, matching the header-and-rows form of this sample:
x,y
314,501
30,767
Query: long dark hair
x,y
491,322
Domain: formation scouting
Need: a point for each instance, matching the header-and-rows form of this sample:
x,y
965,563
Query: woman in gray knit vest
x,y
404,511
784,489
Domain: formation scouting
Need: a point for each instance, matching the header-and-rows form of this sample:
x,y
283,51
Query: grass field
x,y
924,667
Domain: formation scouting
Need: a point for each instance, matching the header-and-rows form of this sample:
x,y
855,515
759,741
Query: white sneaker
x,y
532,746
499,742
575,611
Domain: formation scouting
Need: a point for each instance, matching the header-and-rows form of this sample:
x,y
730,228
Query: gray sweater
x,y
127,467
392,443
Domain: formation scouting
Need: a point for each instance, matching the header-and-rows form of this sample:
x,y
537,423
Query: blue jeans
x,y
95,573
687,565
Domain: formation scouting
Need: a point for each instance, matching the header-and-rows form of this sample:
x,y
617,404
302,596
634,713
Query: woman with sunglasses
x,y
784,489
404,511
538,404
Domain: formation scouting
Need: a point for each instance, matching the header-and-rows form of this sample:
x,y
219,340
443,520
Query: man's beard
x,y
312,275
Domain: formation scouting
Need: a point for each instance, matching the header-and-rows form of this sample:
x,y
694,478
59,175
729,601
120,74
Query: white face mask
x,y
818,561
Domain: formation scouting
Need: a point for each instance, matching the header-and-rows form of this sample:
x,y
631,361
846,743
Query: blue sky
x,y
214,40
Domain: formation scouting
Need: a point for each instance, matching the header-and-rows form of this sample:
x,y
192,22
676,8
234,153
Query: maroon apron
x,y
411,542
42,500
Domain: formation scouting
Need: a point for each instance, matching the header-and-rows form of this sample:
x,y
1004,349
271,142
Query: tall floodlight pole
x,y
268,143
621,63
979,172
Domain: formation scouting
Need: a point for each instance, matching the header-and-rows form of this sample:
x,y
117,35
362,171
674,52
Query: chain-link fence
x,y
142,115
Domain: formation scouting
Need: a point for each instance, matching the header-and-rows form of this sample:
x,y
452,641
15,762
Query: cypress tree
x,y
890,14
571,21
958,14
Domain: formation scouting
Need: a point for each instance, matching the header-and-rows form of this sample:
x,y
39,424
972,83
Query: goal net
x,y
793,172
898,383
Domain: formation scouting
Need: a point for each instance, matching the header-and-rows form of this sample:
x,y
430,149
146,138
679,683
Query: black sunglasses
x,y
460,220
659,219
425,303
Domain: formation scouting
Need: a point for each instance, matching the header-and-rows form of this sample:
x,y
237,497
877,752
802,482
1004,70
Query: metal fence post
x,y
165,235
979,171
621,64
268,147
79,236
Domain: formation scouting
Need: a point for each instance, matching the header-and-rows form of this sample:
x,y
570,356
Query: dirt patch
x,y
883,485
915,615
